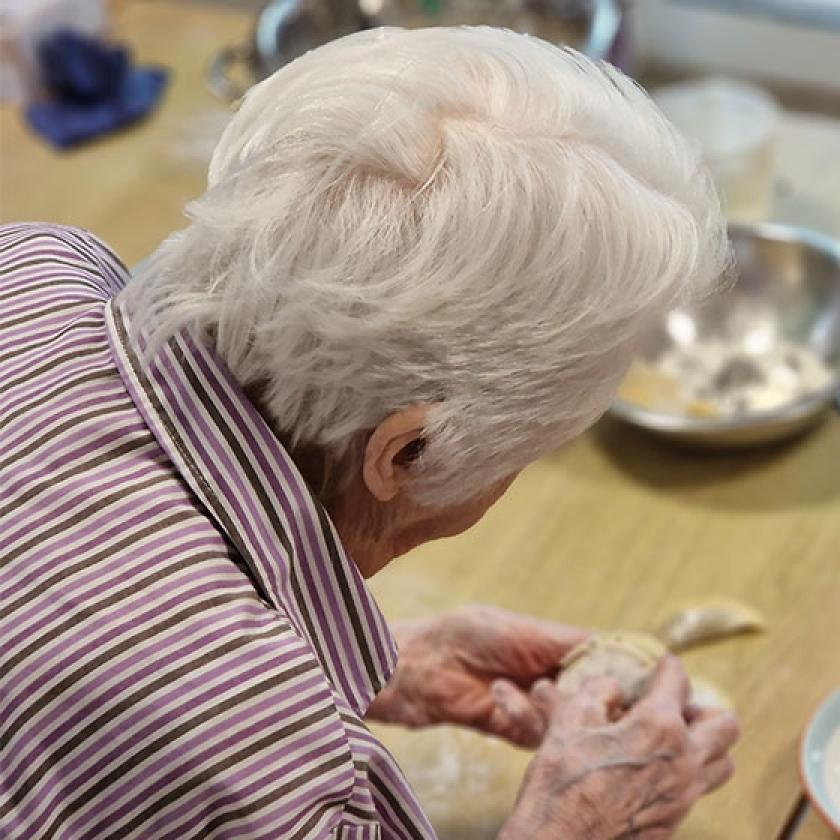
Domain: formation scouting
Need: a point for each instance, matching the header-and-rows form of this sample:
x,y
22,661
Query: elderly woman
x,y
422,262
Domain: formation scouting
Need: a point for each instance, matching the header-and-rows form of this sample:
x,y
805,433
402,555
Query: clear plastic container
x,y
735,125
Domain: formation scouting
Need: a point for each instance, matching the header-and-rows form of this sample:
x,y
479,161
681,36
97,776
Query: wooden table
x,y
614,530
812,828
610,532
130,188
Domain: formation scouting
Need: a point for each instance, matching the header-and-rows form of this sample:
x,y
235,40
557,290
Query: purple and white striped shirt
x,y
185,648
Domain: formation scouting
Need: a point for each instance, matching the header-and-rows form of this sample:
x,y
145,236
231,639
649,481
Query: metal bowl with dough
x,y
787,290
285,29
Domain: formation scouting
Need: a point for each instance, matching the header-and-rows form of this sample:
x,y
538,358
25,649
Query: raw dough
x,y
629,658
707,621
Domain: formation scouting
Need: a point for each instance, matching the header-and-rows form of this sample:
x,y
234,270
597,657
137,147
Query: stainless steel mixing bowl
x,y
788,285
285,29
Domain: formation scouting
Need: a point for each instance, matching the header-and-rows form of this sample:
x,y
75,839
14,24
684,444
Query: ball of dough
x,y
629,658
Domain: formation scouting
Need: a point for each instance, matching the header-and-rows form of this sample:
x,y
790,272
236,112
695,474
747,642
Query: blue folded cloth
x,y
93,89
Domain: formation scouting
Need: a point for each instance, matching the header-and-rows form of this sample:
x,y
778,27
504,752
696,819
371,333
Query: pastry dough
x,y
629,658
707,621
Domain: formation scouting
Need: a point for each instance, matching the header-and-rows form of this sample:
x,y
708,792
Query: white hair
x,y
467,217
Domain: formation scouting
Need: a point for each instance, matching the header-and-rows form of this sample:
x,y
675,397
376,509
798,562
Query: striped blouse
x,y
186,650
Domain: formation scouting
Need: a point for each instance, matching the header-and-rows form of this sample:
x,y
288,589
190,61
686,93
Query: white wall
x,y
684,35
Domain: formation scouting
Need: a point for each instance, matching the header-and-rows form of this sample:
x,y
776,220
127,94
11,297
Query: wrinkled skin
x,y
474,666
599,773
597,778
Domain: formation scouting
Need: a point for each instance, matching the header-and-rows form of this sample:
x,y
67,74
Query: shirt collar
x,y
240,471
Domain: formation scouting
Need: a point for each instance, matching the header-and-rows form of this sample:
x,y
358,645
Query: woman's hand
x,y
475,666
637,777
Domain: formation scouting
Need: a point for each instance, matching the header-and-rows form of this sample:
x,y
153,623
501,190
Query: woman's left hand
x,y
474,666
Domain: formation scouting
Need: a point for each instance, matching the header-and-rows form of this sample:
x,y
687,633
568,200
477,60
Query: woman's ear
x,y
391,448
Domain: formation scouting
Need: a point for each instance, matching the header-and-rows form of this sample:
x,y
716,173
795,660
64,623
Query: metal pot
x,y
286,29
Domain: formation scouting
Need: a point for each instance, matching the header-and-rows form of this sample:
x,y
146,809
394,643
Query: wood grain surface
x,y
130,188
613,531
813,828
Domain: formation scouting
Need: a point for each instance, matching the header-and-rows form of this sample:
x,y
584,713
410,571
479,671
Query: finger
x,y
595,704
515,717
670,687
668,810
548,641
607,694
692,712
714,734
504,644
715,774
564,636
545,697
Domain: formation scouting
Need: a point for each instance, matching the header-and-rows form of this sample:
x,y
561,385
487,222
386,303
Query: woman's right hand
x,y
598,778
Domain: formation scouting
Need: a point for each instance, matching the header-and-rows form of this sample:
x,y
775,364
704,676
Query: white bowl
x,y
812,758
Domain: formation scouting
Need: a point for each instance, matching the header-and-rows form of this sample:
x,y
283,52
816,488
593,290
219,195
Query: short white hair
x,y
465,217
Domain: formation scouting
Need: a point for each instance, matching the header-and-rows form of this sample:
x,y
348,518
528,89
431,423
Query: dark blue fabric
x,y
93,89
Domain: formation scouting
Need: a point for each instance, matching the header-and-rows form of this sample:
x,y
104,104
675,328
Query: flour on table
x,y
466,781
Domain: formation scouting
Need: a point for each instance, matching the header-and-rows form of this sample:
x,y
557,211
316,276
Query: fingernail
x,y
498,691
